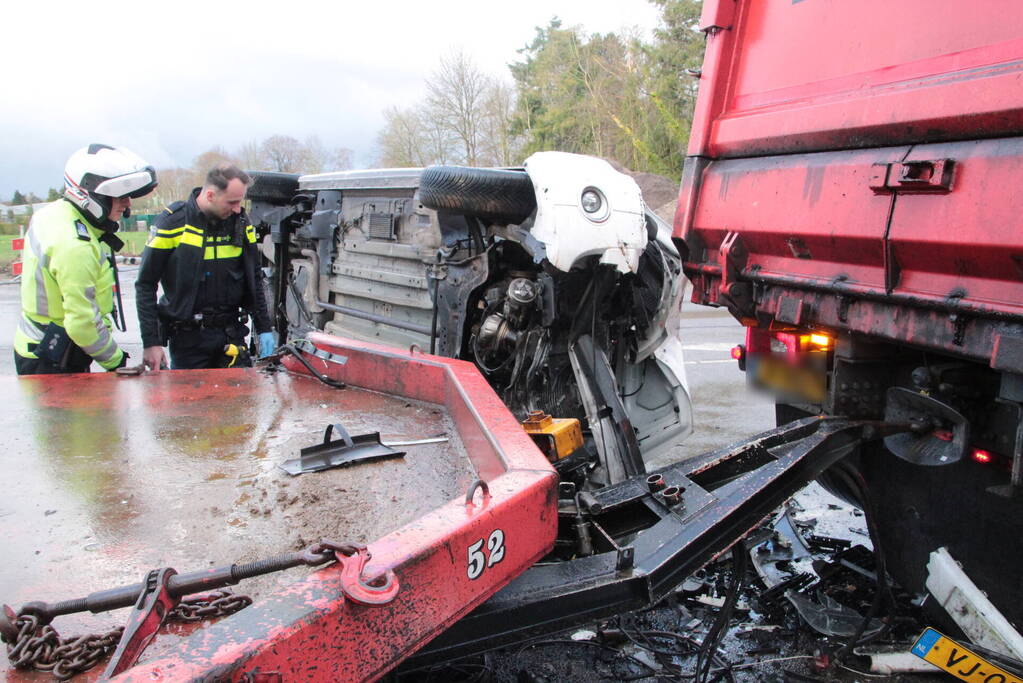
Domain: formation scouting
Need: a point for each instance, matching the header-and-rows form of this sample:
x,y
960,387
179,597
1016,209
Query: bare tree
x,y
250,156
314,156
457,94
439,142
210,158
500,147
174,185
344,159
282,153
402,141
467,119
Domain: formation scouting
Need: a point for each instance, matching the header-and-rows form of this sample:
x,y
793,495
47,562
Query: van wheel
x,y
498,195
272,187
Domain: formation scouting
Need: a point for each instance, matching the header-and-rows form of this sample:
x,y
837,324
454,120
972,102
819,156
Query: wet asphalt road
x,y
724,409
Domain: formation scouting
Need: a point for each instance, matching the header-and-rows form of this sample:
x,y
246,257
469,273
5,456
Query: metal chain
x,y
42,648
209,606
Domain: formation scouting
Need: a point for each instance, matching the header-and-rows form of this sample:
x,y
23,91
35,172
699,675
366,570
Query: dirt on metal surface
x,y
110,477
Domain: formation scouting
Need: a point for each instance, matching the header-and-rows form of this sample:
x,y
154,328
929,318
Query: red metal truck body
x,y
852,171
790,89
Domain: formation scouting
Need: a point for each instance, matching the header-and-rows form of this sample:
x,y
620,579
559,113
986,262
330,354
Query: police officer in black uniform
x,y
204,254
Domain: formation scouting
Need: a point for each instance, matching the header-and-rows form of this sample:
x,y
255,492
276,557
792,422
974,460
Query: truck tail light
x,y
982,456
789,344
739,354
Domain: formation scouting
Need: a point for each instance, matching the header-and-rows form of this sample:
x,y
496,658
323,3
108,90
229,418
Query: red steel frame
x,y
309,632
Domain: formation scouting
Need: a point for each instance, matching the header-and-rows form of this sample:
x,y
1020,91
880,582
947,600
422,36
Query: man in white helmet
x,y
67,282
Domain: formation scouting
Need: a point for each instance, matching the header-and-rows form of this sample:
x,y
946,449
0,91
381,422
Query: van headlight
x,y
594,204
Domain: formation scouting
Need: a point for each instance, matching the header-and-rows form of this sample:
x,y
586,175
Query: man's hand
x,y
154,358
267,344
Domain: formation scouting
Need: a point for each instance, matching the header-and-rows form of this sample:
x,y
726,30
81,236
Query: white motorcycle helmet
x,y
97,174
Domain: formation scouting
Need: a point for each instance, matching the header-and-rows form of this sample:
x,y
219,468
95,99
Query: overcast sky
x,y
171,80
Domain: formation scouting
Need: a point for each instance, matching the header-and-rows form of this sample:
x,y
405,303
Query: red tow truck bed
x,y
108,477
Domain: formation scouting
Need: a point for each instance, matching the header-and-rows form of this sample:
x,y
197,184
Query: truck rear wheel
x,y
921,509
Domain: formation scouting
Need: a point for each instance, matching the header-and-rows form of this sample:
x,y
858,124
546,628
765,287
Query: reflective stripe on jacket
x,y
67,279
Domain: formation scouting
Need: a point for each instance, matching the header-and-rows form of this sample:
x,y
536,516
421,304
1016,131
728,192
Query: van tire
x,y
495,194
272,187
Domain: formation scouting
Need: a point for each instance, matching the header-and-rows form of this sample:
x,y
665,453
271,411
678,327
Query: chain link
x,y
41,647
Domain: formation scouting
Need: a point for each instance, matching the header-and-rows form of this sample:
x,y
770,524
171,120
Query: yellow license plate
x,y
952,657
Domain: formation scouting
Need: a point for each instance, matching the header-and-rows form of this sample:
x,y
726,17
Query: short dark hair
x,y
222,174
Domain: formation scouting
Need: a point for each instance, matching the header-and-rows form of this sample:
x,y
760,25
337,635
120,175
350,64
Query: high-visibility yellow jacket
x,y
67,279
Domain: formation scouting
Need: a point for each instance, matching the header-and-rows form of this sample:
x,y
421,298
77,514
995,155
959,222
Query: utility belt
x,y
219,320
57,349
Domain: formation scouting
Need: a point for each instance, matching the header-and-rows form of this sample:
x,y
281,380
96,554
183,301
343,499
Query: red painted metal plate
x,y
811,217
811,74
136,461
967,243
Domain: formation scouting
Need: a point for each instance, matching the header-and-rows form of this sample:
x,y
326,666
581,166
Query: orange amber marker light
x,y
820,340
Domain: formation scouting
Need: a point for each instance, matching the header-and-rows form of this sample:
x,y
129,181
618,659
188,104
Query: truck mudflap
x,y
446,561
651,531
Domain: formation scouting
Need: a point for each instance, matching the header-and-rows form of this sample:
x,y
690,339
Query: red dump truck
x,y
849,195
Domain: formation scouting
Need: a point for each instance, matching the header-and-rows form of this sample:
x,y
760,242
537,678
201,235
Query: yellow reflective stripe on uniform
x,y
250,233
170,232
222,251
191,239
162,242
42,263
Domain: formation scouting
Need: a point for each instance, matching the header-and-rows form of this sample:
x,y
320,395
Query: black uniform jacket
x,y
174,257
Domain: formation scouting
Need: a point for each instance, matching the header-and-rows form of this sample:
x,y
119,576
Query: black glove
x,y
123,363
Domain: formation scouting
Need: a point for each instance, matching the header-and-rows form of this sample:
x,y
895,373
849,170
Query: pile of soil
x,y
659,192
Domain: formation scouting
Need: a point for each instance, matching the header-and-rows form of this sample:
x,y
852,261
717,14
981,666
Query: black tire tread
x,y
271,186
491,193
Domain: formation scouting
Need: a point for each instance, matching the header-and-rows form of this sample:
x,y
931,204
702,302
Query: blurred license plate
x,y
952,657
789,381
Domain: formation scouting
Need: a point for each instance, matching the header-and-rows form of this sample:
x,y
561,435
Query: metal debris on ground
x,y
806,592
